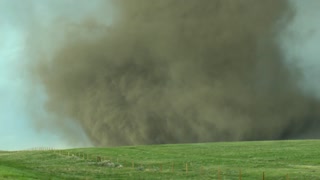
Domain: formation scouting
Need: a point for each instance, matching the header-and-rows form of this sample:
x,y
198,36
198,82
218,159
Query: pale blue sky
x,y
302,44
16,128
16,132
17,17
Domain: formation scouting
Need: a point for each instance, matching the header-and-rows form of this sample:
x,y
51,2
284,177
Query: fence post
x,y
240,175
262,175
172,167
219,177
186,168
287,177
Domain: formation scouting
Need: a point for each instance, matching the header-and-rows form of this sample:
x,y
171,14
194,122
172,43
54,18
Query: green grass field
x,y
298,159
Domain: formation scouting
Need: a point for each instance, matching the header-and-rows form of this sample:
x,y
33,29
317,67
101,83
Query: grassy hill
x,y
276,159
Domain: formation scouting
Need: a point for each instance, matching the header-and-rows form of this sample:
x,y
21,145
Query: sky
x,y
17,18
15,130
300,44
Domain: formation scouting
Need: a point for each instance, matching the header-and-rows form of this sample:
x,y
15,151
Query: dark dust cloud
x,y
178,71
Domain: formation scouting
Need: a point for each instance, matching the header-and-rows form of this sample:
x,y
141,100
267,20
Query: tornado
x,y
175,71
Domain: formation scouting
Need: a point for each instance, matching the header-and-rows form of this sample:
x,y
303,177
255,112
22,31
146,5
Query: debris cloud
x,y
176,71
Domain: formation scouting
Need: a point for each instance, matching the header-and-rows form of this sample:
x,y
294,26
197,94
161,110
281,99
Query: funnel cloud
x,y
176,71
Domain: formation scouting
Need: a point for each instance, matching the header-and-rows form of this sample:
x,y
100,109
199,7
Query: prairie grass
x,y
299,159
